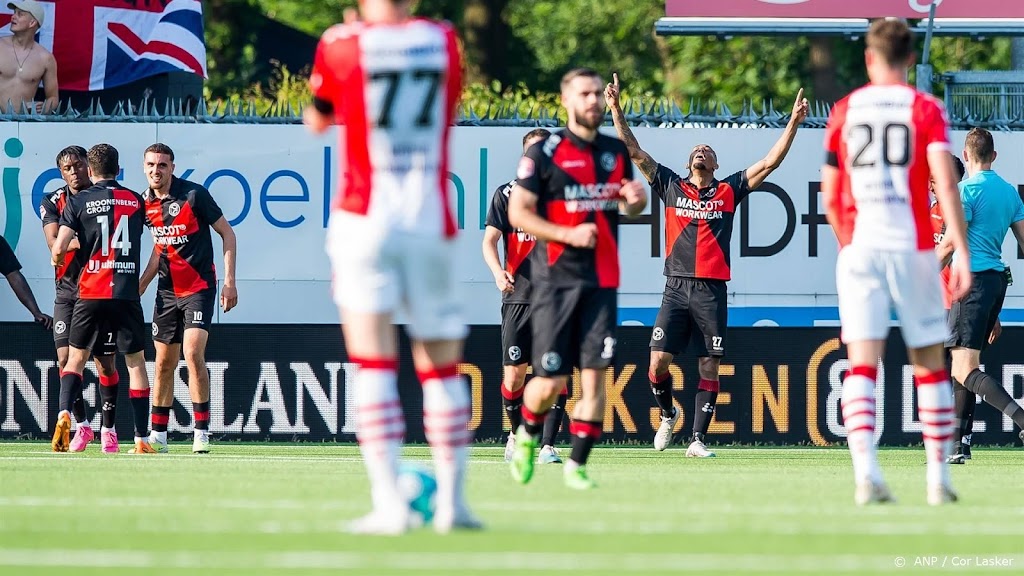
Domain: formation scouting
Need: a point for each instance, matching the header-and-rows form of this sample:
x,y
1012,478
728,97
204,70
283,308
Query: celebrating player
x,y
180,215
394,82
513,280
107,219
579,179
699,212
882,141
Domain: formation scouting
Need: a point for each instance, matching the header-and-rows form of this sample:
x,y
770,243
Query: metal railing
x,y
991,100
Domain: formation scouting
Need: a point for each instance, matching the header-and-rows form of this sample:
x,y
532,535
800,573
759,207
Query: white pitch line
x,y
722,509
454,562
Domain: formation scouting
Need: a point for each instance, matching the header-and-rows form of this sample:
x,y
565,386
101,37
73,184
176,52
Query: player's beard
x,y
588,119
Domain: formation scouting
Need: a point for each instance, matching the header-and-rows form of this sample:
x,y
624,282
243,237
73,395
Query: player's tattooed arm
x,y
757,173
648,167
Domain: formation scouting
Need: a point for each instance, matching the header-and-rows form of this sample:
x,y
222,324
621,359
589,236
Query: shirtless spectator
x,y
24,62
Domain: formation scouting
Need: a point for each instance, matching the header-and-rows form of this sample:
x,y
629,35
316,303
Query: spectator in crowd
x,y
24,63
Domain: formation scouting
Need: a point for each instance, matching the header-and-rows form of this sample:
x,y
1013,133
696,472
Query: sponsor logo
x,y
174,209
95,266
514,353
106,204
659,334
551,361
609,348
608,161
60,327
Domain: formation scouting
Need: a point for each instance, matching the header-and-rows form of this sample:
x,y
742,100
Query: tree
x,y
518,49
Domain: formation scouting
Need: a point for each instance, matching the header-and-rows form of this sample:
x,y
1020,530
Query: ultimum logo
x,y
95,266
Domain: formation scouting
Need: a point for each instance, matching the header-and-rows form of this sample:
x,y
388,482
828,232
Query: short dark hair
x,y
535,133
892,40
979,145
578,73
958,166
71,152
104,160
160,148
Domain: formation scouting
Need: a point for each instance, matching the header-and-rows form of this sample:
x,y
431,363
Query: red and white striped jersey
x,y
879,137
394,89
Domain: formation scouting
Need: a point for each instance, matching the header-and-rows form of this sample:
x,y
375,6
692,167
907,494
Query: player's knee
x,y
105,365
708,367
519,376
660,362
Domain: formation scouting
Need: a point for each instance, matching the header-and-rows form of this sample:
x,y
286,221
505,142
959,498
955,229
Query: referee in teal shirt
x,y
992,206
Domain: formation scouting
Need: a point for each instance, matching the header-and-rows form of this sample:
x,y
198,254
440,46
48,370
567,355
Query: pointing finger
x,y
800,95
615,79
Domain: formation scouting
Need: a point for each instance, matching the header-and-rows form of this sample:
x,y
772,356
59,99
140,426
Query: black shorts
x,y
173,314
516,334
572,326
94,324
971,319
62,310
694,314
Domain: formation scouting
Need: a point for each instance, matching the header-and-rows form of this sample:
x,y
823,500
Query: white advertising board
x,y
274,185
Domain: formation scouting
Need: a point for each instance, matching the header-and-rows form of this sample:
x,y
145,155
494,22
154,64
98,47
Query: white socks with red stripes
x,y
858,405
446,413
935,410
380,431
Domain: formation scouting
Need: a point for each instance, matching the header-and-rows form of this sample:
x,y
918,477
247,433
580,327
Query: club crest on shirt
x,y
174,209
608,161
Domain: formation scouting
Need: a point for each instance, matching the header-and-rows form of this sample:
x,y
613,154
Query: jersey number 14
x,y
120,239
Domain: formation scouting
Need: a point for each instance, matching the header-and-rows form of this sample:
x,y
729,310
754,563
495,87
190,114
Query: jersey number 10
x,y
119,241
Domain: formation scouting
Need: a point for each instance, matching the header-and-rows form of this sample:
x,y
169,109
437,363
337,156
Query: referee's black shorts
x,y
972,318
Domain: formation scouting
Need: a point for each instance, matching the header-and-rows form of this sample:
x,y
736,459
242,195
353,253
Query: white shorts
x,y
872,283
380,269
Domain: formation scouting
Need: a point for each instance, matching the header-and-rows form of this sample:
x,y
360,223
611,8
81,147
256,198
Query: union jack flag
x,y
105,43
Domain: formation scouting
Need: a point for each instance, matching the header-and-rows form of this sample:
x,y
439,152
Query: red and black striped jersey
x,y
698,223
66,276
108,219
180,223
577,181
518,245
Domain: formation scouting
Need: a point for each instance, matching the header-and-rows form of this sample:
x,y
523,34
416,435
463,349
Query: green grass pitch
x,y
280,509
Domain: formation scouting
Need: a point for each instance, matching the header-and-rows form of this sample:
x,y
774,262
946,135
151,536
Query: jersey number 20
x,y
119,241
892,145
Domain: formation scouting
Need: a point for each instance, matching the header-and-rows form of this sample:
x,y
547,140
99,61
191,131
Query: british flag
x,y
105,43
